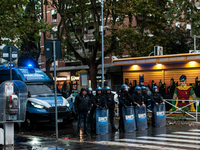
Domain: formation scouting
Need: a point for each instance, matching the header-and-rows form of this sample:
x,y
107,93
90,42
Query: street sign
x,y
6,52
49,49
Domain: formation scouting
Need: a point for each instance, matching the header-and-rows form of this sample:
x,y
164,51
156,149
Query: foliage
x,y
20,23
185,12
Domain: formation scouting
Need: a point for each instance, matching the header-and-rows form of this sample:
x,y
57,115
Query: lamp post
x,y
102,45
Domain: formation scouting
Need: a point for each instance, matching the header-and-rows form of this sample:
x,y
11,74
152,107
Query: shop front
x,y
163,71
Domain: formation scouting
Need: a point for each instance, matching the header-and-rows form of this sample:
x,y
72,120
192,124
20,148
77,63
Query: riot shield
x,y
129,119
159,115
141,117
101,121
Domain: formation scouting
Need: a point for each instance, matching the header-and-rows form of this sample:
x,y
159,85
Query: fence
x,y
179,110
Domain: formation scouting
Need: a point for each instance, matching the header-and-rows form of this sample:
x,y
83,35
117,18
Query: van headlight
x,y
67,104
37,105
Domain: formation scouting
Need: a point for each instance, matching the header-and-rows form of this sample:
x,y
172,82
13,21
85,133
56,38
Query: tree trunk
x,y
93,74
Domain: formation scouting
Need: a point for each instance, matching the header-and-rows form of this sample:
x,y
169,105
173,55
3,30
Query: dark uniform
x,y
91,96
82,106
156,98
111,106
100,102
124,101
138,98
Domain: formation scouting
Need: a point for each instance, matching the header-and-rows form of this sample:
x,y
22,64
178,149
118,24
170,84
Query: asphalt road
x,y
169,137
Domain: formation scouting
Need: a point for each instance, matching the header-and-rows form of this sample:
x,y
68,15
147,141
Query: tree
x,y
185,14
76,18
150,28
21,23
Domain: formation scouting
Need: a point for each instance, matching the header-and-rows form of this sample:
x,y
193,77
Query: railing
x,y
168,113
179,110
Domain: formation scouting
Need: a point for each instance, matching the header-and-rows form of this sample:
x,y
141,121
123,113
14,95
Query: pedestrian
x,y
82,106
111,105
156,99
124,101
137,97
91,96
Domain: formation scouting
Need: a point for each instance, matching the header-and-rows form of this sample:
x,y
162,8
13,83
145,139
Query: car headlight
x,y
67,104
37,105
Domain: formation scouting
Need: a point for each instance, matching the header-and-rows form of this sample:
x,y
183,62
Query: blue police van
x,y
41,101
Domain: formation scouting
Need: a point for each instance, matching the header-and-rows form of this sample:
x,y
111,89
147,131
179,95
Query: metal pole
x,y
55,89
196,110
10,53
102,41
195,43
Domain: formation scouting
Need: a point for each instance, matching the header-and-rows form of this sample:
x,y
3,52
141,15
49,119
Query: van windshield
x,y
38,89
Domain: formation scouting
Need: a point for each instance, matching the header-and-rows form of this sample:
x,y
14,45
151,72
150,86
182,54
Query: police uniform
x,y
124,101
111,106
91,96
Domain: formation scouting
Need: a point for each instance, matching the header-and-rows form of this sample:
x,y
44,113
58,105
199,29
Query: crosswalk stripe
x,y
170,139
187,133
159,143
179,136
137,145
196,130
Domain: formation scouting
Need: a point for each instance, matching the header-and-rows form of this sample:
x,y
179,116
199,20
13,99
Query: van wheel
x,y
28,125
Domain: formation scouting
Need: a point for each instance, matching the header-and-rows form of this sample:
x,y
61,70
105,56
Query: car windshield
x,y
38,89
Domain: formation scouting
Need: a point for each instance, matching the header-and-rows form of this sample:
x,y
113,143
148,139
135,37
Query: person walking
x,y
82,106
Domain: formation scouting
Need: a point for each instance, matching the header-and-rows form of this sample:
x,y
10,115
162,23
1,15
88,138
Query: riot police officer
x,y
145,96
111,105
99,100
82,106
90,94
124,101
137,97
156,99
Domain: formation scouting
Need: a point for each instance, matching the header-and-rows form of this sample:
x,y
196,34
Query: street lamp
x,y
102,45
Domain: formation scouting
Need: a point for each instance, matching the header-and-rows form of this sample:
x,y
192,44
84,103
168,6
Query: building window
x,y
54,16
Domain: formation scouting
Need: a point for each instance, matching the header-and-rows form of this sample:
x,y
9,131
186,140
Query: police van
x,y
41,101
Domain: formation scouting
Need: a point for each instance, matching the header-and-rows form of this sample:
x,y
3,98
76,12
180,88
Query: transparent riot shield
x,y
159,115
13,100
101,121
141,117
129,119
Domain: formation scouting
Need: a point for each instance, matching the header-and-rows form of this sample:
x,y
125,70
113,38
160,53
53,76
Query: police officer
x,y
90,94
82,106
99,101
111,105
124,101
137,97
145,96
156,99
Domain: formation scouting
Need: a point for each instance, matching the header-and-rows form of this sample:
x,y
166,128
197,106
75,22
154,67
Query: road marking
x,y
196,130
169,139
136,145
159,143
187,133
179,136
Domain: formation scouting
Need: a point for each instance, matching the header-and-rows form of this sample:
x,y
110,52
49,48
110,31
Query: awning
x,y
77,68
